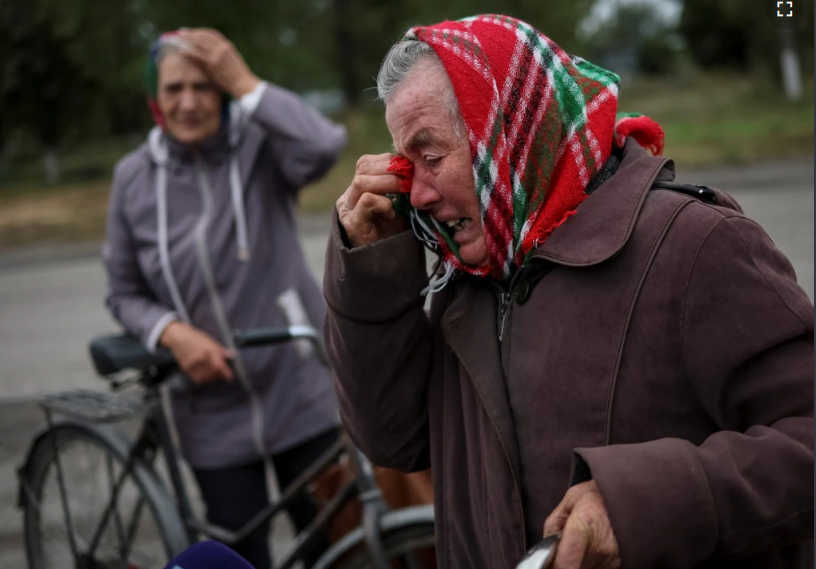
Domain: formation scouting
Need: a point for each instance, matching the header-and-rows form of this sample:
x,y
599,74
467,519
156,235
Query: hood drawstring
x,y
158,149
236,123
238,208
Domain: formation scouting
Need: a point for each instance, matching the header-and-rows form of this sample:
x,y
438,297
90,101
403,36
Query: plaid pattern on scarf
x,y
540,124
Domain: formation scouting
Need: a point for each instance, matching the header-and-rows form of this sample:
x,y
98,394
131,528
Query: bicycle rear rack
x,y
95,406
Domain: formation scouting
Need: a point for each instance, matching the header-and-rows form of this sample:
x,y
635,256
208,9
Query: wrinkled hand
x,y
587,538
198,355
364,210
220,59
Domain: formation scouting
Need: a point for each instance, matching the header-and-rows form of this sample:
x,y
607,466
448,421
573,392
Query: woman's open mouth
x,y
454,225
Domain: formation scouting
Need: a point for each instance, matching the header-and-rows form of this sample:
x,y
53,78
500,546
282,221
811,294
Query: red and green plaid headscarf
x,y
540,124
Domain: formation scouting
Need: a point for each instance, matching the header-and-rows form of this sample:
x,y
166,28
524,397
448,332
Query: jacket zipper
x,y
504,297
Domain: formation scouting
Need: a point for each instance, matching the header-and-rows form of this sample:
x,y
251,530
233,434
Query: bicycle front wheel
x,y
406,547
87,506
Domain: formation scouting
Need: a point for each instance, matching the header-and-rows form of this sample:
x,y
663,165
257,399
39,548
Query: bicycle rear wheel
x,y
406,547
86,507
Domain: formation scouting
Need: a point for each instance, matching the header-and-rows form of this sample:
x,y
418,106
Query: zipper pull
x,y
504,305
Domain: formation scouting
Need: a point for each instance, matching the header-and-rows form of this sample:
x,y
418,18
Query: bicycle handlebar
x,y
114,353
273,335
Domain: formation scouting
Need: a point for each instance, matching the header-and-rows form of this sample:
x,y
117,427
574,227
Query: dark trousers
x,y
234,494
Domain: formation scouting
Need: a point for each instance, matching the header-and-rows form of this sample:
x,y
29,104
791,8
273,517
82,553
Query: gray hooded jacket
x,y
208,236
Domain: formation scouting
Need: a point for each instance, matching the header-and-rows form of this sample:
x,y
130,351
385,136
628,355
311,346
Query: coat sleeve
x,y
129,298
748,350
302,142
379,344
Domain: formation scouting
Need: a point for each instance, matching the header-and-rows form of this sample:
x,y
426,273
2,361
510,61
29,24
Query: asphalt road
x,y
50,306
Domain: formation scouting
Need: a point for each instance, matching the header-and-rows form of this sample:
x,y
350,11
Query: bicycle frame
x,y
155,429
154,437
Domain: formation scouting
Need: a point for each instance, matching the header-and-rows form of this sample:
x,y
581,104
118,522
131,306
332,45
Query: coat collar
x,y
604,221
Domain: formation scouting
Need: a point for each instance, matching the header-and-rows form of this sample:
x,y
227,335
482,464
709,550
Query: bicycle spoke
x,y
64,499
134,525
110,509
117,520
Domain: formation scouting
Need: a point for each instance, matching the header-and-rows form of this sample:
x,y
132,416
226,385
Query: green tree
x,y
365,29
636,36
43,89
743,35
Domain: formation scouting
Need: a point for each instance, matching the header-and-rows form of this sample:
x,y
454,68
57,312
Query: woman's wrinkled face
x,y
424,131
188,99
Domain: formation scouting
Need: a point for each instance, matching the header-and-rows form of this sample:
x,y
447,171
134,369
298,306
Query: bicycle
x,y
95,496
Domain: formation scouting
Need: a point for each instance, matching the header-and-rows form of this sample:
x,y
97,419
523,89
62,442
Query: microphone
x,y
208,555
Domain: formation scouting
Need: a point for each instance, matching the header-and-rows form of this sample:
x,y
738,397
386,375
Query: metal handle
x,y
541,555
275,335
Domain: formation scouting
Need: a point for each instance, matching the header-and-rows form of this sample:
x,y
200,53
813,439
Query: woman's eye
x,y
432,160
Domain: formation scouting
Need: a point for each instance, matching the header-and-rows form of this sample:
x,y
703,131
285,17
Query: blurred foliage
x,y
72,70
745,35
636,37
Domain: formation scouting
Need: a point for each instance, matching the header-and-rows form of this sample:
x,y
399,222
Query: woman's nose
x,y
187,99
423,195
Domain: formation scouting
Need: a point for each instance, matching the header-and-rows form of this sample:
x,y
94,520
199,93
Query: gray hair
x,y
399,60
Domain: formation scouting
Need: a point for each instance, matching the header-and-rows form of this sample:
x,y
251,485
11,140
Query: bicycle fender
x,y
391,520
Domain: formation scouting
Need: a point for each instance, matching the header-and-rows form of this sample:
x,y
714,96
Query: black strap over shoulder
x,y
699,191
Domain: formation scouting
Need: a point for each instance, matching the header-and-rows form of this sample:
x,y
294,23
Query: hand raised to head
x,y
220,59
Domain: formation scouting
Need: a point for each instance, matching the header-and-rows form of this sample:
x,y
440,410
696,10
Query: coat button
x,y
523,290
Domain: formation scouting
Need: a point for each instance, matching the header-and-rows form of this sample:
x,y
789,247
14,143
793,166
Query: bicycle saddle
x,y
118,352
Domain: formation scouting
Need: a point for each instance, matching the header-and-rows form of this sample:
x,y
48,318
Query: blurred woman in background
x,y
202,240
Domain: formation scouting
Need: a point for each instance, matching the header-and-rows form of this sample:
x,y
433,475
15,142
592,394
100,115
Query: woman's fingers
x,y
379,184
587,537
221,368
371,175
198,355
374,163
364,209
221,59
373,218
